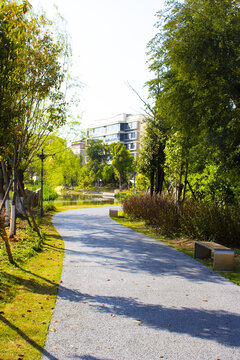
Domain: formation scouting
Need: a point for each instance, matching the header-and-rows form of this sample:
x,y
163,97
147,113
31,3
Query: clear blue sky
x,y
109,39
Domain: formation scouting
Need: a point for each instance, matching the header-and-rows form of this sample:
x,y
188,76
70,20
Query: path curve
x,y
125,296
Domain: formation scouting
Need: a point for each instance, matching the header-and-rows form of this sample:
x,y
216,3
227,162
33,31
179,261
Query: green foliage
x,y
33,68
48,207
194,59
141,182
61,165
211,221
48,193
174,157
106,173
213,185
97,151
99,170
87,177
123,195
122,163
152,146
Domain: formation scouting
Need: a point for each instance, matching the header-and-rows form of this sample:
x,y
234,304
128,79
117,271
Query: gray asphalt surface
x,y
125,296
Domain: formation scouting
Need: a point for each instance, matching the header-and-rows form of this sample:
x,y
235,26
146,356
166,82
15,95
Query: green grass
x,y
25,318
28,291
184,245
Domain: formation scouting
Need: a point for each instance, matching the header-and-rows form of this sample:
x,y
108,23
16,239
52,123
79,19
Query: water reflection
x,y
81,199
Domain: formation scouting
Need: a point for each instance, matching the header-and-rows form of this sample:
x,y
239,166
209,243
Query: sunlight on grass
x,y
28,291
28,298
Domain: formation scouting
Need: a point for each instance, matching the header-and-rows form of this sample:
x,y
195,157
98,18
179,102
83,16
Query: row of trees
x,y
33,68
192,138
106,164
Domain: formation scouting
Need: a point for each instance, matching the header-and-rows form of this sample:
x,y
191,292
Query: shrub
x,y
159,211
49,207
48,193
211,221
123,195
206,221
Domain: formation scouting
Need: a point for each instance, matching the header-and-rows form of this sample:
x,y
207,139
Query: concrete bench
x,y
223,257
113,213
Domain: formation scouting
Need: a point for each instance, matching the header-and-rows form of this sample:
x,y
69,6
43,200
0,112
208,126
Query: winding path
x,y
125,296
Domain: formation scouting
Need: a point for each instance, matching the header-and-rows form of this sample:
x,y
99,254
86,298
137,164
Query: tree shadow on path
x,y
217,325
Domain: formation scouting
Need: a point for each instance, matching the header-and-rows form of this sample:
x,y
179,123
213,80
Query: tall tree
x,y
32,72
152,156
195,59
122,163
97,151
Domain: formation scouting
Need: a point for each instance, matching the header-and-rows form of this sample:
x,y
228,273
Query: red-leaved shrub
x,y
198,220
159,211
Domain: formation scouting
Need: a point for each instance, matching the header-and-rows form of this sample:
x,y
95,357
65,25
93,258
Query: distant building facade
x,y
124,128
80,148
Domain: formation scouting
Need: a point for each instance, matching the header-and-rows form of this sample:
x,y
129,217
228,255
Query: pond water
x,y
82,199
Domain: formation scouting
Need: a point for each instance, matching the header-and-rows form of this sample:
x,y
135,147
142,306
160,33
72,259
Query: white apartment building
x,y
124,128
80,148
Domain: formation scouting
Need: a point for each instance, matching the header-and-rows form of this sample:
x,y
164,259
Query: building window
x,y
113,128
100,130
113,137
133,135
132,125
91,132
122,127
96,138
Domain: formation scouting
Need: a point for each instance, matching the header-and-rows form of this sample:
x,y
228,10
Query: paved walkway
x,y
125,296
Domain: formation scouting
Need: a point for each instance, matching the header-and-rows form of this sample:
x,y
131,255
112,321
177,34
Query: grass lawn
x,y
28,291
184,245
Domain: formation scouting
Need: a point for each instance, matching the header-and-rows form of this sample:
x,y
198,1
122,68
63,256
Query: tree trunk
x,y
23,208
191,189
1,185
159,180
152,183
5,239
185,183
7,205
6,195
179,186
28,207
120,182
21,177
157,190
12,230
